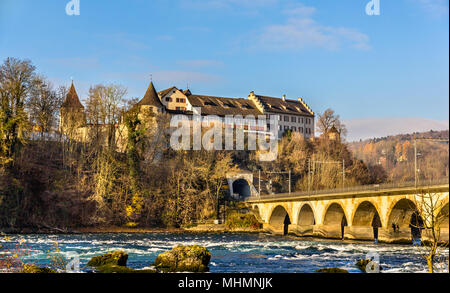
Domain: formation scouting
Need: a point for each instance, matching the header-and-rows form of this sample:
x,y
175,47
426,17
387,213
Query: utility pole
x,y
259,184
343,173
284,172
309,174
289,181
415,161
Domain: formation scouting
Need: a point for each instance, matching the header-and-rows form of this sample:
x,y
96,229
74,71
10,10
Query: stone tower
x,y
72,116
151,101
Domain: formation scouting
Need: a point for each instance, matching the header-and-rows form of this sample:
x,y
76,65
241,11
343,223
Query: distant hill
x,y
396,155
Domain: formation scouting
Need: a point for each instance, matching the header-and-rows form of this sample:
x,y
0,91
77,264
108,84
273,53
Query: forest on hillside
x,y
396,155
61,183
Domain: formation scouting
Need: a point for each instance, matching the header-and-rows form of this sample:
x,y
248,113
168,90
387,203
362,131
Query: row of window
x,y
299,129
178,100
292,119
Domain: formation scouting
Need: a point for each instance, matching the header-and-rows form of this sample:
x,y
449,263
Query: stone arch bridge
x,y
352,213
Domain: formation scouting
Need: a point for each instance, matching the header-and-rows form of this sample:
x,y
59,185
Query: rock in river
x,y
192,258
117,258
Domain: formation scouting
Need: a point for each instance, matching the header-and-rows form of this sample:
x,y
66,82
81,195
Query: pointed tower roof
x,y
72,100
151,98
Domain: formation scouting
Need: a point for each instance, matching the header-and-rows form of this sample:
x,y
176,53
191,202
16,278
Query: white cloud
x,y
221,4
380,127
176,76
201,63
75,62
435,8
170,76
302,31
164,38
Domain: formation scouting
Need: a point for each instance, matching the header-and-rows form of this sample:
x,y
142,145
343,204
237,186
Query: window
x,y
294,119
286,118
302,121
294,128
301,129
168,99
286,128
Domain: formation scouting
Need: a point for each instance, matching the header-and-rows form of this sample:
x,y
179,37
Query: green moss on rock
x,y
33,269
332,271
116,258
193,258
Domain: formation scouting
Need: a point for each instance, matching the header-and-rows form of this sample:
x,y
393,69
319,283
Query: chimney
x,y
284,97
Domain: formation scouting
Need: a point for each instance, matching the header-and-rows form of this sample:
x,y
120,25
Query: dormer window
x,y
209,103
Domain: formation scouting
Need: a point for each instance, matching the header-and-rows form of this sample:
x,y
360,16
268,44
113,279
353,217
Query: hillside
x,y
396,155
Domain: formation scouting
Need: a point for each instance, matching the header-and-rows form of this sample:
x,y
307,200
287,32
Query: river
x,y
231,253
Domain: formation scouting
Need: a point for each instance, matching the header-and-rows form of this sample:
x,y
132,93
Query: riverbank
x,y
204,228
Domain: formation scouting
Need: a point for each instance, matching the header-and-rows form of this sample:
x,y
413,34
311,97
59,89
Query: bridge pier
x,y
360,233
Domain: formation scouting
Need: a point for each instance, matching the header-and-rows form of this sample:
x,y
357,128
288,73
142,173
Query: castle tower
x,y
151,101
72,114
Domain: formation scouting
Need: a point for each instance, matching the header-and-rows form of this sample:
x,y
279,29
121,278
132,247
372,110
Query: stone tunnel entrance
x,y
242,188
336,220
280,220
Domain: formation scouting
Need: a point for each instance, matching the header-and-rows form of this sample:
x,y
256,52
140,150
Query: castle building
x,y
292,115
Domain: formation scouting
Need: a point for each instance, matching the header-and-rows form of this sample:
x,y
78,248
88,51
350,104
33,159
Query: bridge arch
x,y
366,214
335,215
443,217
280,219
255,211
401,212
306,216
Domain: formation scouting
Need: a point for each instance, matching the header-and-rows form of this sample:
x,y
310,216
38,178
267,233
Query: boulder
x,y
34,269
192,258
362,264
332,271
116,258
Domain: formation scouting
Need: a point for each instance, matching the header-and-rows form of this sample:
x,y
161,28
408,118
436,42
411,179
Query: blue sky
x,y
329,52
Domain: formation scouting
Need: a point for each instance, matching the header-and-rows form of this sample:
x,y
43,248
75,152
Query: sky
x,y
383,74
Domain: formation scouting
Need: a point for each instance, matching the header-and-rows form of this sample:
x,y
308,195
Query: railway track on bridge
x,y
356,191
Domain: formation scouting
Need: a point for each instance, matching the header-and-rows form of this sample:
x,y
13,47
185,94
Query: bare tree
x,y
328,120
431,215
43,105
103,110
